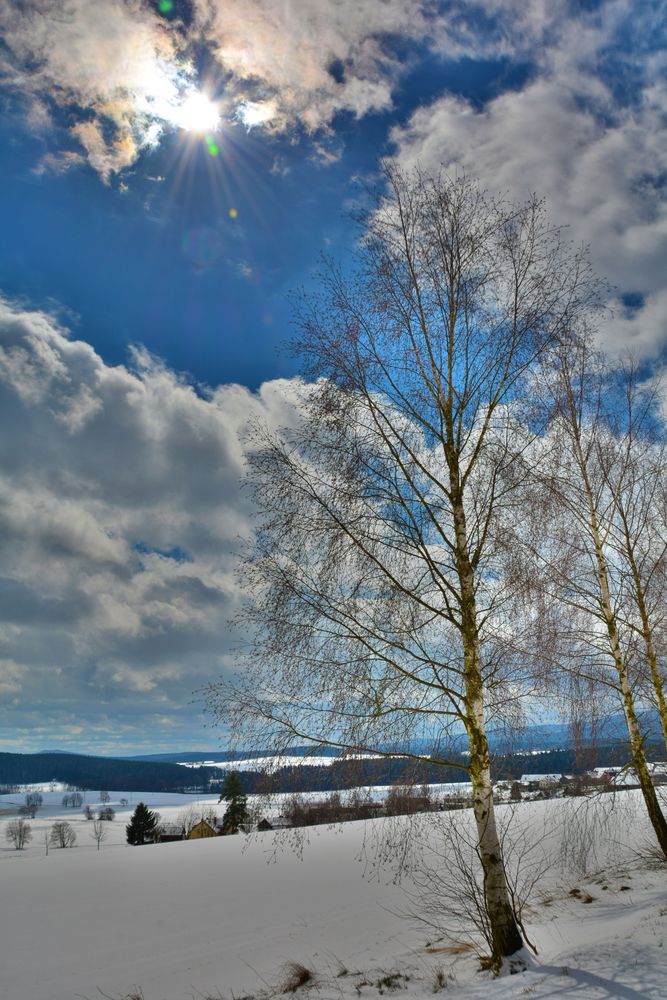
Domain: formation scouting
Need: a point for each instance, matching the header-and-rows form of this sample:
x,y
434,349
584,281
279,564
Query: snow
x,y
222,916
275,762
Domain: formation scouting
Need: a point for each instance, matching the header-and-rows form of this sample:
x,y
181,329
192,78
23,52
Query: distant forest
x,y
100,772
149,776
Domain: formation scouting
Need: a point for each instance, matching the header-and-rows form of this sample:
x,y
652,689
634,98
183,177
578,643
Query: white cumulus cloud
x,y
120,511
597,153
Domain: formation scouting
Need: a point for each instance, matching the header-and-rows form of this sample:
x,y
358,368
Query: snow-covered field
x,y
274,763
222,917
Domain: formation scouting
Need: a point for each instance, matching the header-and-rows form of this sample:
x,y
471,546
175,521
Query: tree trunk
x,y
505,933
655,814
636,742
647,633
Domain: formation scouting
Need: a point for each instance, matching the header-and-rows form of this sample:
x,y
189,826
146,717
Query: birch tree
x,y
600,557
633,461
379,614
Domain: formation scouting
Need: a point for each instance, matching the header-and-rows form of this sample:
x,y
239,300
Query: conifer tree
x,y
237,808
141,827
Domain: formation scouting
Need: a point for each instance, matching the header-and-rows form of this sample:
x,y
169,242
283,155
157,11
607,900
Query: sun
x,y
197,114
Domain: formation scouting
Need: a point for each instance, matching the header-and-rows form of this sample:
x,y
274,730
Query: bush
x,y
332,809
406,800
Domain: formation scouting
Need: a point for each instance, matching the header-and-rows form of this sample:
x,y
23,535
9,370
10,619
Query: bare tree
x,y
18,833
380,610
98,831
73,800
88,812
188,818
62,834
107,814
441,856
632,457
33,800
105,797
597,550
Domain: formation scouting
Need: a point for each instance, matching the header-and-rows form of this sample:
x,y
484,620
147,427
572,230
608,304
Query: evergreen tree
x,y
237,807
141,827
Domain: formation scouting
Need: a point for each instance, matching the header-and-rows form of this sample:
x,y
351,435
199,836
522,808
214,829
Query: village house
x,y
201,830
170,832
540,782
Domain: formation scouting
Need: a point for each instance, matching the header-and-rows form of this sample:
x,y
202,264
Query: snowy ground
x,y
222,917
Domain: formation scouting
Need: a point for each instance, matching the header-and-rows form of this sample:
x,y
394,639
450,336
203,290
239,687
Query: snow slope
x,y
221,917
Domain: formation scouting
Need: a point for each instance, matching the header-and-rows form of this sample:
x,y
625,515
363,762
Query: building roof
x,y
541,777
201,829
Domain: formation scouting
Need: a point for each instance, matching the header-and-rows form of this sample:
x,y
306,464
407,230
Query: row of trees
x,y
467,512
18,832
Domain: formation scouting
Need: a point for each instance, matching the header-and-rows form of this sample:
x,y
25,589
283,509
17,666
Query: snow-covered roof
x,y
171,829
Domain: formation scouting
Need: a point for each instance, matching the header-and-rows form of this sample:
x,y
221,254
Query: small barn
x,y
201,830
170,832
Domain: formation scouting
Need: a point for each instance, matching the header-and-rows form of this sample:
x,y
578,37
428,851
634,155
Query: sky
x,y
170,175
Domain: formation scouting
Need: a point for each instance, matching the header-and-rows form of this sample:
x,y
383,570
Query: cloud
x,y
10,677
313,58
122,74
120,509
116,69
579,134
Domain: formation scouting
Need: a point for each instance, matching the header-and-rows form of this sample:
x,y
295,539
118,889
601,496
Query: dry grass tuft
x,y
136,993
458,948
295,975
440,980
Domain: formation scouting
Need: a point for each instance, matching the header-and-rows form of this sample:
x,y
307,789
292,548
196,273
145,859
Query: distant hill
x,y
545,749
547,736
114,774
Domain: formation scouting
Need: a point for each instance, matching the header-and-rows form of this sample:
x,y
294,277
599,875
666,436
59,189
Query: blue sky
x,y
144,282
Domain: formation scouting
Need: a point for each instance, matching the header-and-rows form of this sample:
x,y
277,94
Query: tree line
x,y
87,772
